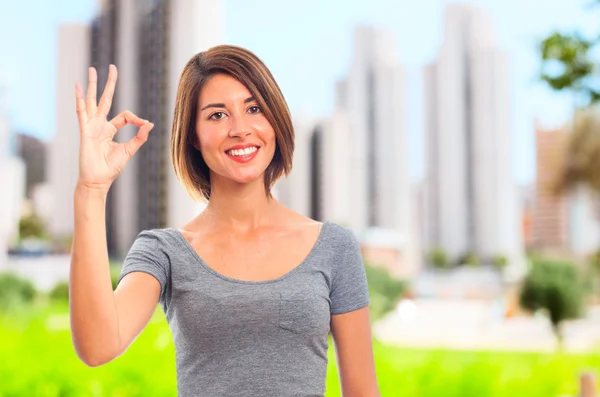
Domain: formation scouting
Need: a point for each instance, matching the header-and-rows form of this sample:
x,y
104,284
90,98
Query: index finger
x,y
127,117
109,90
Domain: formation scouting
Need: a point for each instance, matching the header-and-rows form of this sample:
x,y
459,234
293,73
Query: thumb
x,y
132,146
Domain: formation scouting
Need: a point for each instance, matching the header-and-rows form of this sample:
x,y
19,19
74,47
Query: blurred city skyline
x,y
322,53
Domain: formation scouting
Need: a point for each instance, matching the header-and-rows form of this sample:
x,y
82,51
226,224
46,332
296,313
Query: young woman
x,y
250,288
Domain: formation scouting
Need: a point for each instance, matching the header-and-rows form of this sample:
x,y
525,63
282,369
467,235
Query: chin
x,y
247,178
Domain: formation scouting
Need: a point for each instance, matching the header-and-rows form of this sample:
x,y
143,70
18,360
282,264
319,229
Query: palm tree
x,y
581,166
568,64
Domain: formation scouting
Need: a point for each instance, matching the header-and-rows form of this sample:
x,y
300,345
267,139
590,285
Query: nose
x,y
239,127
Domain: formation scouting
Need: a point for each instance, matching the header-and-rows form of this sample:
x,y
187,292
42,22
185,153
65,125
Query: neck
x,y
240,207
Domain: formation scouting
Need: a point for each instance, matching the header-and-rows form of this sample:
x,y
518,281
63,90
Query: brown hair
x,y
246,67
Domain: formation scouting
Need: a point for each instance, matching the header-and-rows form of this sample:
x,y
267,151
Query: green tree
x,y
499,261
31,226
60,292
384,290
15,291
556,289
438,258
469,258
569,63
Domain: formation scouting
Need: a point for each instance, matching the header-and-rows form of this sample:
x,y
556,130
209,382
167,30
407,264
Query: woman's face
x,y
235,138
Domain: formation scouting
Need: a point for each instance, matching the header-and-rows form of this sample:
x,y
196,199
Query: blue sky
x,y
307,45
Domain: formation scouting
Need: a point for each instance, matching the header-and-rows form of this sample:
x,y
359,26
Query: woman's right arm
x,y
103,322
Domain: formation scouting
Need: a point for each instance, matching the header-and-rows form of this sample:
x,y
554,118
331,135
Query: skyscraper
x,y
12,179
150,41
63,156
364,155
331,165
550,211
33,152
295,191
566,222
372,97
471,195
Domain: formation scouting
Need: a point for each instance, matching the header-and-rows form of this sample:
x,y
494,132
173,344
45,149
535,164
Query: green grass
x,y
37,359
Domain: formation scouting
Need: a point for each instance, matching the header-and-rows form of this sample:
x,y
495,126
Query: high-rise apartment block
x,y
471,195
149,41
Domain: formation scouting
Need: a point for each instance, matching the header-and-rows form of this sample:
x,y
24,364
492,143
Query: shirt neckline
x,y
295,269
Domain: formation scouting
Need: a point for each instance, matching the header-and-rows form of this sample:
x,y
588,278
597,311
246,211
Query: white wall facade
x,y
295,190
373,98
126,98
336,171
73,63
471,193
12,178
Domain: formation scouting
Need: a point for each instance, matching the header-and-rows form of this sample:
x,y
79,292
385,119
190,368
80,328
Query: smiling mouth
x,y
242,152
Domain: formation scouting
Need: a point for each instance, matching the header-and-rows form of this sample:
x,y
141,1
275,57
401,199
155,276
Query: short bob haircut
x,y
246,67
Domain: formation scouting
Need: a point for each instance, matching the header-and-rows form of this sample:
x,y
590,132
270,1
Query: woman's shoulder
x,y
339,239
166,238
340,232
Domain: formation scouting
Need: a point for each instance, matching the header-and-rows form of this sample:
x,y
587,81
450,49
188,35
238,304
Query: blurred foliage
x,y
384,291
556,288
60,292
592,276
39,360
594,261
438,258
15,292
31,226
569,63
469,258
582,158
499,261
115,272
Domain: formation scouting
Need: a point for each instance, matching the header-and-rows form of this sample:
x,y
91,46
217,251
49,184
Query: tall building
x,y
12,179
33,152
549,223
63,158
150,41
584,222
561,222
471,194
372,97
364,156
332,153
295,191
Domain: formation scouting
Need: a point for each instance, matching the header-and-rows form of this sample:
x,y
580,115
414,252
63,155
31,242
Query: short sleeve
x,y
147,255
349,288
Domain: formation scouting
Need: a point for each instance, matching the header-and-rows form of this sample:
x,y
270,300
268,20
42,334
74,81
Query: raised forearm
x,y
94,320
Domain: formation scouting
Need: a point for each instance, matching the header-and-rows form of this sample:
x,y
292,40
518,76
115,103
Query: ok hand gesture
x,y
101,159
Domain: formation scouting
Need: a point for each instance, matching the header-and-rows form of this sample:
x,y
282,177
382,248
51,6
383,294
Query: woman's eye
x,y
216,116
254,109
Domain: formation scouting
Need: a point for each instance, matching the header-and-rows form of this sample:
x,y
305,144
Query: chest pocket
x,y
303,312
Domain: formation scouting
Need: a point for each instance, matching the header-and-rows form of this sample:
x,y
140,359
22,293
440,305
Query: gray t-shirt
x,y
252,338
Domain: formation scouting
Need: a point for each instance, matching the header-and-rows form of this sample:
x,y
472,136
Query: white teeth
x,y
243,152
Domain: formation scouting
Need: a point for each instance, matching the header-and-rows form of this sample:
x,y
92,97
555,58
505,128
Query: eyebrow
x,y
222,105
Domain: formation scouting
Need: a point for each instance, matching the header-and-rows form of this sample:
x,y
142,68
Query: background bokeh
x,y
460,142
